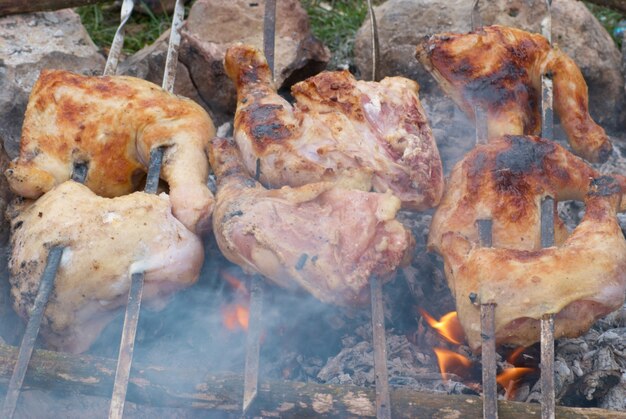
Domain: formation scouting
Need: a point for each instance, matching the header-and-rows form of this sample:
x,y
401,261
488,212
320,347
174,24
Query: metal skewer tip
x,y
253,344
269,33
383,402
118,41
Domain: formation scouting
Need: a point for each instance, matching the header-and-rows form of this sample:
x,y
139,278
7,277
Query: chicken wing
x,y
369,134
321,237
105,240
500,69
112,124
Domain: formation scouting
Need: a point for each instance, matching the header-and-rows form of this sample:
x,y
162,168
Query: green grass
x,y
335,23
142,29
608,17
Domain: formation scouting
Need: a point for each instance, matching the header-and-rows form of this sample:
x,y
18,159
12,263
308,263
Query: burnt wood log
x,y
613,4
168,387
12,7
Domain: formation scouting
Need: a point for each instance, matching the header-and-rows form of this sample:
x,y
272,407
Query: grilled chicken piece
x,y
373,134
500,69
321,237
112,124
580,279
105,240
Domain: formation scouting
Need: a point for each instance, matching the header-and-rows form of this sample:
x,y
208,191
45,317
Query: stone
x,y
403,23
29,43
214,25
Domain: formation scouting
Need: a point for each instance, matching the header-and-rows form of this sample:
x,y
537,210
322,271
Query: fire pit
x,y
313,359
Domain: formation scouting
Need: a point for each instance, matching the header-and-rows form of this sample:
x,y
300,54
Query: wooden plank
x,y
12,7
168,387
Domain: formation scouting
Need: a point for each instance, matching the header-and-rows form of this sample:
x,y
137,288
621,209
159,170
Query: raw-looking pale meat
x,y
371,134
500,69
321,237
112,123
105,240
579,279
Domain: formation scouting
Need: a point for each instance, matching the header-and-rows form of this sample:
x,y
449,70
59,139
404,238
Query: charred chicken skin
x,y
369,134
112,124
581,278
320,237
105,240
500,69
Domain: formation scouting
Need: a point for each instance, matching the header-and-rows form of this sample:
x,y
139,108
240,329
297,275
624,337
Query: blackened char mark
x,y
266,125
524,155
510,82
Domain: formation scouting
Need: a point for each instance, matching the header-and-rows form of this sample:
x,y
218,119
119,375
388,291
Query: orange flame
x,y
236,283
515,354
235,316
452,362
448,326
509,378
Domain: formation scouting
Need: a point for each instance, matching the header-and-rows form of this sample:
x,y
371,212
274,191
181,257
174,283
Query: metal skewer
x,y
253,341
383,399
118,41
34,321
547,239
488,336
135,292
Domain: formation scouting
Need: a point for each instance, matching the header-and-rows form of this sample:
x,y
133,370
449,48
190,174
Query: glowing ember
x,y
235,316
452,362
509,378
448,326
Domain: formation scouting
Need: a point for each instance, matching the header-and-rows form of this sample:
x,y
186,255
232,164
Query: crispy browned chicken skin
x,y
500,69
372,134
112,123
580,279
105,240
320,237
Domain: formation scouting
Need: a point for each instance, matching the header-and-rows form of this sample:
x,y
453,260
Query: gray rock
x,y
29,43
214,25
403,23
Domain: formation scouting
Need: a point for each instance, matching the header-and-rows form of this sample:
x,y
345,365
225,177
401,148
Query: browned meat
x,y
321,237
105,240
112,123
372,134
500,69
580,279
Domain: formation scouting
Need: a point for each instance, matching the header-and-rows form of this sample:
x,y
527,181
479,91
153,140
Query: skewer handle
x,y
118,40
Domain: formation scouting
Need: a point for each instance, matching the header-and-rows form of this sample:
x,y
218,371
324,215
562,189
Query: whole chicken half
x,y
579,279
105,240
500,69
112,124
321,237
374,134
